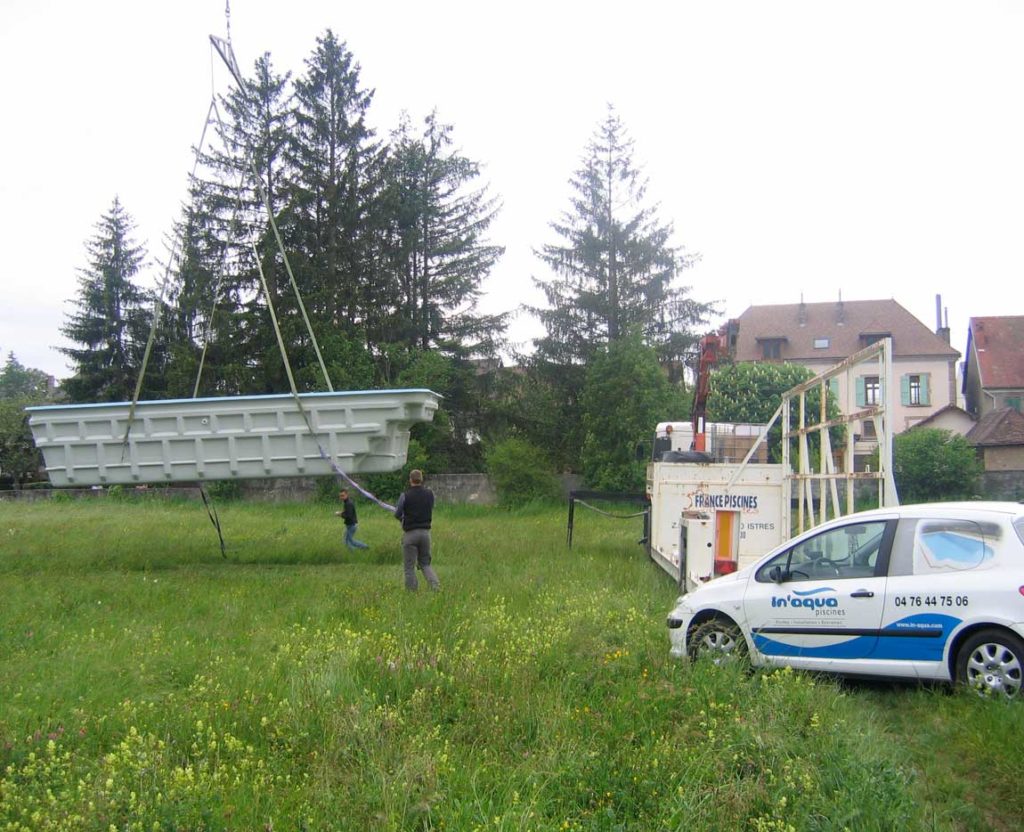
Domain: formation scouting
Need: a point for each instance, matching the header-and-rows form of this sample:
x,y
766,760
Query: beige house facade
x,y
820,335
951,418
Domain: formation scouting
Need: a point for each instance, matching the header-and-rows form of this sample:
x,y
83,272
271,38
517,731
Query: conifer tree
x,y
226,219
436,256
616,266
190,318
19,381
111,321
333,186
438,251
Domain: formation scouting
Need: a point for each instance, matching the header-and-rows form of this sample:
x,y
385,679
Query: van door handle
x,y
862,593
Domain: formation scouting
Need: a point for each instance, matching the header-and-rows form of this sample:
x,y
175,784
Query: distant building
x,y
820,335
993,371
950,418
998,439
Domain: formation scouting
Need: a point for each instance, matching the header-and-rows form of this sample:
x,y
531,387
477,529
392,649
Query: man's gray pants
x,y
416,552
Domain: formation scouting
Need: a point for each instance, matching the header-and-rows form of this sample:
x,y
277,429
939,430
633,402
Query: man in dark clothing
x,y
415,509
348,512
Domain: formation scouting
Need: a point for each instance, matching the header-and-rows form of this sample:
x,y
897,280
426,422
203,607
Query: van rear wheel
x,y
719,640
991,662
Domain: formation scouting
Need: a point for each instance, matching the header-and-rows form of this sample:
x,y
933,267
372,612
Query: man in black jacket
x,y
415,509
348,512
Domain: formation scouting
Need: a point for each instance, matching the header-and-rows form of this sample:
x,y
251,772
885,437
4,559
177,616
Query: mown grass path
x,y
148,683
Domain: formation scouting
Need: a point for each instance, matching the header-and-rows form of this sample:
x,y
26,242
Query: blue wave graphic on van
x,y
812,591
919,638
854,647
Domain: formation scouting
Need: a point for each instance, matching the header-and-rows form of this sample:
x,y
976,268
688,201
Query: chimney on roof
x,y
940,330
840,310
801,315
731,330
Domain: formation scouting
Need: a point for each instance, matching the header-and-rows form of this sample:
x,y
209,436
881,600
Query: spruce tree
x,y
436,256
615,267
189,319
438,251
334,182
111,321
226,218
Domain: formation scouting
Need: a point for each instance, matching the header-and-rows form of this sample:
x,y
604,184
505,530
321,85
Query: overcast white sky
x,y
801,148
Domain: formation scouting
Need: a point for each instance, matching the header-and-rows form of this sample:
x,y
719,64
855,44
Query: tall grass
x,y
148,683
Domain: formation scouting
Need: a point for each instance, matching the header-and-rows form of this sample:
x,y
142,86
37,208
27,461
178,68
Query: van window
x,y
845,552
950,546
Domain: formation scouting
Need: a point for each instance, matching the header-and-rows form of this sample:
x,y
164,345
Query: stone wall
x,y
475,489
448,488
30,495
283,490
1002,485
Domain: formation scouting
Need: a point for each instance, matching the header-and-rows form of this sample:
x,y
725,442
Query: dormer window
x,y
771,348
869,338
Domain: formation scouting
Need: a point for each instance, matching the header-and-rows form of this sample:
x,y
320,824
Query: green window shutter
x,y
926,396
862,397
833,389
905,390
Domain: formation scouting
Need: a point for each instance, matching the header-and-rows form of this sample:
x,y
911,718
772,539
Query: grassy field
x,y
148,683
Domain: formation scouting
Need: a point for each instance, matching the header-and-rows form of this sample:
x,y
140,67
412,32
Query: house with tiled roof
x,y
998,438
993,369
951,418
820,335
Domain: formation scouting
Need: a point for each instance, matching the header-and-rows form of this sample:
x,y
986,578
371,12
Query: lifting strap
x,y
226,53
228,56
211,512
173,259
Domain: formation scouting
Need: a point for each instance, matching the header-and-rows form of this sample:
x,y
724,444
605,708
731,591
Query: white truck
x,y
708,517
717,509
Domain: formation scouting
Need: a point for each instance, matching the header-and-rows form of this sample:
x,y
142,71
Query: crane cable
x,y
227,54
174,259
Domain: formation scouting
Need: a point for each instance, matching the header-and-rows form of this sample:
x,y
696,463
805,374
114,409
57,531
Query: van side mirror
x,y
776,574
641,452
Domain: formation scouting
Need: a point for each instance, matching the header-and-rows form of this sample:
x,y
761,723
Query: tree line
x,y
387,241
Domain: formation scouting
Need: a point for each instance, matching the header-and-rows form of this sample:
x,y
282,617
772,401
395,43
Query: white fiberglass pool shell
x,y
236,437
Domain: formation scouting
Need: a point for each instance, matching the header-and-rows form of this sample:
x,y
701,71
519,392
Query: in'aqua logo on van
x,y
806,599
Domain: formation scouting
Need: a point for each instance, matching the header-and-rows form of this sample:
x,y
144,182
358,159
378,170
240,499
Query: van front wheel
x,y
719,640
